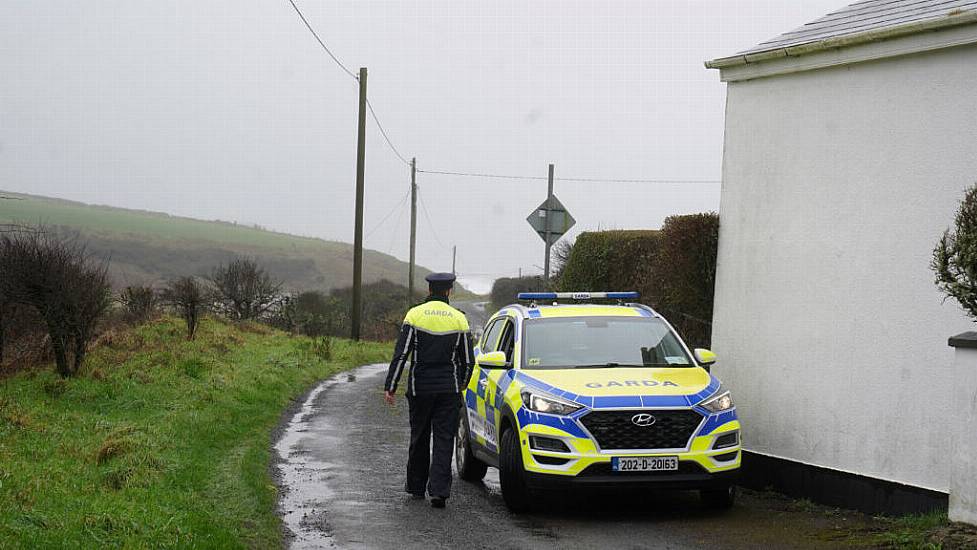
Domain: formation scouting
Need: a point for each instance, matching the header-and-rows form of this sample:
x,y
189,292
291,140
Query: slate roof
x,y
865,16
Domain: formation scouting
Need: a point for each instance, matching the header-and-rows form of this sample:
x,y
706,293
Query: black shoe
x,y
417,496
437,502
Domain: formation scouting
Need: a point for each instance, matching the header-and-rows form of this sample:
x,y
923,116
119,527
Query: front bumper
x,y
581,463
690,476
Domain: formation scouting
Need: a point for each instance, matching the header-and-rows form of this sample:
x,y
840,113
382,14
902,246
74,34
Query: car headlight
x,y
719,402
543,403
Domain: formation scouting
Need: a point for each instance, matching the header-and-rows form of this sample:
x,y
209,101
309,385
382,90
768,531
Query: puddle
x,y
308,481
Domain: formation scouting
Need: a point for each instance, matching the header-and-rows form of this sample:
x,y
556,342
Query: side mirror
x,y
492,360
704,357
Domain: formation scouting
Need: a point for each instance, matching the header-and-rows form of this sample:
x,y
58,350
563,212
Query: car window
x,y
491,336
507,341
564,343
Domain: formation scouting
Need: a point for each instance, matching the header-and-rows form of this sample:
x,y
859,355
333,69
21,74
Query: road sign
x,y
560,221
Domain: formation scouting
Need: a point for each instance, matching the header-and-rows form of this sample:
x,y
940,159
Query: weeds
x,y
321,347
914,532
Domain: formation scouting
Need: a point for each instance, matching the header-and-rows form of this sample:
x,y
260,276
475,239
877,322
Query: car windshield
x,y
596,342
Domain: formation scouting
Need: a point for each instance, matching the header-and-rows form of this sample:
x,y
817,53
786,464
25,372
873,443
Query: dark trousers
x,y
435,414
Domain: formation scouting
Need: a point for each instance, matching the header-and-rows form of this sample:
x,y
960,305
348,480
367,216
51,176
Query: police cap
x,y
440,281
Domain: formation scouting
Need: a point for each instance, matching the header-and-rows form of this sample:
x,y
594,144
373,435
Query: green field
x,y
159,442
148,247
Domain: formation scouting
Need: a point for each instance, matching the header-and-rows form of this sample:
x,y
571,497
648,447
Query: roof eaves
x,y
953,19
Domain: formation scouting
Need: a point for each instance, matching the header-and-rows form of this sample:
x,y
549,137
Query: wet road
x,y
342,475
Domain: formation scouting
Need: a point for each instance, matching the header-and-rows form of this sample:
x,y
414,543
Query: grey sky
x,y
229,110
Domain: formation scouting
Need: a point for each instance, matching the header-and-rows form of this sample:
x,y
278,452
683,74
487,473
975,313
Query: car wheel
x,y
512,477
469,467
718,499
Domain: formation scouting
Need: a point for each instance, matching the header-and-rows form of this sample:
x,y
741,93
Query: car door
x,y
493,382
482,430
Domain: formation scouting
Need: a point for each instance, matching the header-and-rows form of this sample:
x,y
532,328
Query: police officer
x,y
436,340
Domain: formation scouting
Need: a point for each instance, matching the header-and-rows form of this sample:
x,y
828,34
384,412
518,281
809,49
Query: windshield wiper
x,y
611,365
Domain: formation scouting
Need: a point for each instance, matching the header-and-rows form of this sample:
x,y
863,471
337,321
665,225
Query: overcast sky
x,y
230,110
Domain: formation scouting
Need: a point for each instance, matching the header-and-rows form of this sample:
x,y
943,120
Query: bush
x,y
687,273
674,269
955,256
614,260
310,313
244,290
384,308
60,281
23,341
186,295
139,303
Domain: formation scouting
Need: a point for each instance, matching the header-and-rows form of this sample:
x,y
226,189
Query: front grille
x,y
615,429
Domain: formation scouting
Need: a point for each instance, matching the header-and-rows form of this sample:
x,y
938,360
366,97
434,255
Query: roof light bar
x,y
578,295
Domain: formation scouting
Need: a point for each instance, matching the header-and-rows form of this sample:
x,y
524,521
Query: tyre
x,y
512,475
718,499
469,467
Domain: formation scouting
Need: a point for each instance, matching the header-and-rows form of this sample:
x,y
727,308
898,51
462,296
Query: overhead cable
x,y
384,133
403,200
537,178
321,43
420,199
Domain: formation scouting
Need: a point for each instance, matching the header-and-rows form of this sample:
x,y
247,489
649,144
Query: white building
x,y
849,143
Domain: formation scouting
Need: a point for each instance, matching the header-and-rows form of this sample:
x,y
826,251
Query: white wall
x,y
837,184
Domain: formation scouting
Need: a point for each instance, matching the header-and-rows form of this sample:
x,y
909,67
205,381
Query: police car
x,y
579,395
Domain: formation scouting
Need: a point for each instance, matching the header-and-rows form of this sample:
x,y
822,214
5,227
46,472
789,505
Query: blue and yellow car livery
x,y
567,396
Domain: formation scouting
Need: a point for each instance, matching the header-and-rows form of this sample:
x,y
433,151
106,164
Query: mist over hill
x,y
149,247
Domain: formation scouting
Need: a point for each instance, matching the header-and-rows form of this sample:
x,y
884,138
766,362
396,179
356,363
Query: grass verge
x,y
159,442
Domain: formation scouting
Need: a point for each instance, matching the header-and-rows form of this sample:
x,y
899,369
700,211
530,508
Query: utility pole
x,y
454,256
358,231
413,230
549,227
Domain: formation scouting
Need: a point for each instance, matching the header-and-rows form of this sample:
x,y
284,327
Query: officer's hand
x,y
389,397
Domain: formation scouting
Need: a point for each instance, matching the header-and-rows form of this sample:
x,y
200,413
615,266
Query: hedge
x,y
674,269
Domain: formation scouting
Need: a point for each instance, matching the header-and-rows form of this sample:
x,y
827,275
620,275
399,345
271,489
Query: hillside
x,y
147,247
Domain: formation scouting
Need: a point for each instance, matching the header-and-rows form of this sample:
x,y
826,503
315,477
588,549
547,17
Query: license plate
x,y
644,463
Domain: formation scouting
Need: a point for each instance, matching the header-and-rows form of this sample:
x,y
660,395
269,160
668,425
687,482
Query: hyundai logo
x,y
642,419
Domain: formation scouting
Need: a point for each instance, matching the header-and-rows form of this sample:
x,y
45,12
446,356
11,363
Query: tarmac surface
x,y
341,467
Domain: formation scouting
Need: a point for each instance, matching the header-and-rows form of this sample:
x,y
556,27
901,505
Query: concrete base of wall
x,y
963,440
834,488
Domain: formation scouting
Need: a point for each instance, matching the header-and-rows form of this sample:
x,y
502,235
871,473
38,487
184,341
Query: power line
x,y
475,175
420,199
393,236
599,180
384,132
385,218
390,144
321,43
591,180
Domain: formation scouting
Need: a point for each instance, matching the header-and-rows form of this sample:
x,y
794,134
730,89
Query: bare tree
x,y
188,297
63,283
139,302
561,255
245,290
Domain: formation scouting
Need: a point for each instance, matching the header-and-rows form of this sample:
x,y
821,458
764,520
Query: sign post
x,y
550,220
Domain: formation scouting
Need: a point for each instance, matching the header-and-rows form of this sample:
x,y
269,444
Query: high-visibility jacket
x,y
436,340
